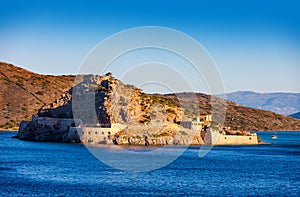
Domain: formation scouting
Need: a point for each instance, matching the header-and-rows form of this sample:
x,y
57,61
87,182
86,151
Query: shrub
x,y
164,133
40,92
170,111
24,108
183,133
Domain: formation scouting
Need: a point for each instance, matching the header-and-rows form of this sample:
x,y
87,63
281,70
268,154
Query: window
x,y
108,133
89,133
82,132
102,132
96,132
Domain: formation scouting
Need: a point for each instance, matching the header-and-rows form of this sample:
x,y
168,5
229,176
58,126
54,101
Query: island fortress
x,y
116,113
64,130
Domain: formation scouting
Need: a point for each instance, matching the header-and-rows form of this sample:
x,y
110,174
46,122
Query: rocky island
x,y
123,113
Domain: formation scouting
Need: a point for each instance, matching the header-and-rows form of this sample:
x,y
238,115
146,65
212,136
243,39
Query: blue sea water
x,y
57,169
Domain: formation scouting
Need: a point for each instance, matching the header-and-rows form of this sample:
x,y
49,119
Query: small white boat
x,y
274,137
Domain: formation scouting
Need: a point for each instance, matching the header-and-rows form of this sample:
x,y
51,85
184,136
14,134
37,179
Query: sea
x,y
59,169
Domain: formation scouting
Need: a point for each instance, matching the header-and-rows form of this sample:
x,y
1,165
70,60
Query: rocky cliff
x,y
112,102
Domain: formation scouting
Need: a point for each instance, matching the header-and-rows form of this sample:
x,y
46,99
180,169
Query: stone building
x,y
198,123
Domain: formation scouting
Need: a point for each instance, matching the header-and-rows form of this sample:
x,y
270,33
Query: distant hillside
x,y
281,103
22,93
295,115
244,118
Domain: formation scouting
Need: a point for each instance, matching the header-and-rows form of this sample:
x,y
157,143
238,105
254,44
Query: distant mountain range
x,y
280,103
296,115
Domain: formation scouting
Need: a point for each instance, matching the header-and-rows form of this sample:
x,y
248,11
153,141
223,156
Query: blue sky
x,y
255,44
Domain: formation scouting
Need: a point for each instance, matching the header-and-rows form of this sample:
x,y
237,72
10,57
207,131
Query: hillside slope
x,y
23,92
243,118
281,103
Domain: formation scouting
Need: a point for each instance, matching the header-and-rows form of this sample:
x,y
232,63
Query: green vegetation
x,y
183,133
122,101
130,86
101,88
163,101
145,121
24,108
163,134
18,77
37,77
170,111
40,93
45,84
9,125
153,114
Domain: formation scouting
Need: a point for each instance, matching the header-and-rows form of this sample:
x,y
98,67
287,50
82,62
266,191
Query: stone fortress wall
x,y
97,135
216,138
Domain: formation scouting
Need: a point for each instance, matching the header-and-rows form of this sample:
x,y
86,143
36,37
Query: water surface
x,y
57,169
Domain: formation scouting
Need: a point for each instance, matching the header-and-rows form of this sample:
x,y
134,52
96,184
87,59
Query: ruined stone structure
x,y
197,123
47,129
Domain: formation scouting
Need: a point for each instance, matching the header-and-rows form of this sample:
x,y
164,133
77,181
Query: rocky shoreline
x,y
64,130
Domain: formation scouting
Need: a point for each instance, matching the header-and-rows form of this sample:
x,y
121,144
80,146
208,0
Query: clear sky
x,y
256,44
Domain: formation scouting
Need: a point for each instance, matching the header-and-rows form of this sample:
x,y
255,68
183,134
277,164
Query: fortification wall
x,y
61,123
216,138
236,140
97,134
